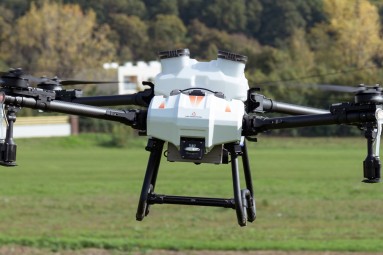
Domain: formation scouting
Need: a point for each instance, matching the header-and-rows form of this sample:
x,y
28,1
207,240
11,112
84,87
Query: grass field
x,y
73,193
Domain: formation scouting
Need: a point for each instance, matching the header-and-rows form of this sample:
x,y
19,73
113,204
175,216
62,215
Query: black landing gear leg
x,y
371,165
155,147
244,199
8,146
251,209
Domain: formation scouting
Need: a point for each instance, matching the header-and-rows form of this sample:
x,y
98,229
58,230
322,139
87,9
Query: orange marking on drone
x,y
228,109
195,100
162,105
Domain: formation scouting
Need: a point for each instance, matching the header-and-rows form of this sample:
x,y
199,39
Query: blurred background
x,y
80,191
291,44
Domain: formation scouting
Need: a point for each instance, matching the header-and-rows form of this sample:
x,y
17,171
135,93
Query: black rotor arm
x,y
259,103
141,98
280,107
367,116
134,118
115,100
340,114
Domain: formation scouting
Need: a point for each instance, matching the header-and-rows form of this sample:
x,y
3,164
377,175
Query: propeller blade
x,y
79,82
339,88
18,72
45,82
34,79
328,87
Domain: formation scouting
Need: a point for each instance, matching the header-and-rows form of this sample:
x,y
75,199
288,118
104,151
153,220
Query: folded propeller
x,y
16,78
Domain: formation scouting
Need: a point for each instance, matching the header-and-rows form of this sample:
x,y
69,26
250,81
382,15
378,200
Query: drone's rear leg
x,y
155,147
248,195
239,205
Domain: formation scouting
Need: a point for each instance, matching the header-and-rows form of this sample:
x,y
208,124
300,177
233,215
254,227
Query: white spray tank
x,y
179,71
198,106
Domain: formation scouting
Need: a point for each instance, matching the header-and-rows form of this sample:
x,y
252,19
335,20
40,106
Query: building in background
x,y
131,76
41,126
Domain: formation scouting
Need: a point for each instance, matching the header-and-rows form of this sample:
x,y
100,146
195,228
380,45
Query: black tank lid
x,y
173,53
232,56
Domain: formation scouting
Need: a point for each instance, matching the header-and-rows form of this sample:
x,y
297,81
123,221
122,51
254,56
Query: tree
x,y
356,29
59,39
167,32
279,19
205,42
253,16
225,15
18,7
164,7
106,9
190,9
349,39
6,20
133,37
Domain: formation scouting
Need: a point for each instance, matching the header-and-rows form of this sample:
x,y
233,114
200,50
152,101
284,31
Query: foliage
x,y
225,15
164,7
106,9
354,31
5,32
132,33
168,32
120,136
58,39
206,42
290,44
279,19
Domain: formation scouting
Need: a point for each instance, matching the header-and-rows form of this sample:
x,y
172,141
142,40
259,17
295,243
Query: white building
x,y
41,126
131,76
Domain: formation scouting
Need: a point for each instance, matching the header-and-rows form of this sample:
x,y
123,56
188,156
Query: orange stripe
x,y
192,99
195,100
227,109
199,99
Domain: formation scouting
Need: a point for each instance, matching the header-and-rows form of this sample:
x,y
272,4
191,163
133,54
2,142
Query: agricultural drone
x,y
203,112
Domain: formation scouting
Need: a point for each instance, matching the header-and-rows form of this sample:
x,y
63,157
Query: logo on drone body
x,y
194,115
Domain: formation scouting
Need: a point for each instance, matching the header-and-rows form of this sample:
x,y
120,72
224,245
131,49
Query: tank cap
x,y
232,56
173,53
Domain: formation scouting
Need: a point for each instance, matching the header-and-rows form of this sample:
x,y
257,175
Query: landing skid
x,y
243,201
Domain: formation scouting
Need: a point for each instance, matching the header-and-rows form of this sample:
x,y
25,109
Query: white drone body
x,y
198,106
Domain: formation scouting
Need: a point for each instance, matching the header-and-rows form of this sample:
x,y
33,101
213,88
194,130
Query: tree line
x,y
290,44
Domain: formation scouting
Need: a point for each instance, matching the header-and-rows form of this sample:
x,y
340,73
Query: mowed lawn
x,y
74,193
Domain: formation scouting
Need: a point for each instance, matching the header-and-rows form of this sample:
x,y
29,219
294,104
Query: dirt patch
x,y
17,250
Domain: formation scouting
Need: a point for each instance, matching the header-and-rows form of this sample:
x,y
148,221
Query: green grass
x,y
73,193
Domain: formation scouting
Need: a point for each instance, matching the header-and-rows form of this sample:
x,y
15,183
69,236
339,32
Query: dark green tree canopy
x,y
289,43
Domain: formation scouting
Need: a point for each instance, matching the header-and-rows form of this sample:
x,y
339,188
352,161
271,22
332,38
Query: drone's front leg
x,y
8,146
372,165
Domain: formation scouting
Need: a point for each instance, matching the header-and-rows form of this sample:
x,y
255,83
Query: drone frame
x,y
16,93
